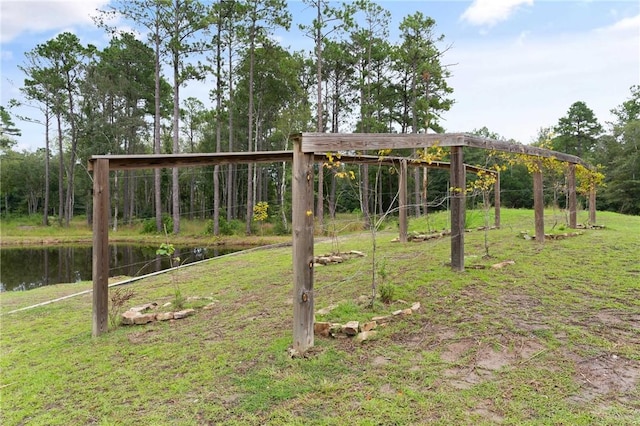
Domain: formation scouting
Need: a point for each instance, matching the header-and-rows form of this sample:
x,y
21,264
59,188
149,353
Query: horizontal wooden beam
x,y
337,142
518,148
334,142
155,161
149,161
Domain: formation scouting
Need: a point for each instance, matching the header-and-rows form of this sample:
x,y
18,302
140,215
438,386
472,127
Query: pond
x,y
28,268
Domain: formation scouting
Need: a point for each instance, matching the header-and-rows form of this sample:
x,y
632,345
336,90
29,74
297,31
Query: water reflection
x,y
27,268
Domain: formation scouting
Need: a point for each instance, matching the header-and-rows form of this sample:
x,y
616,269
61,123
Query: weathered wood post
x,y
302,222
571,186
402,201
100,261
592,204
538,203
496,200
458,183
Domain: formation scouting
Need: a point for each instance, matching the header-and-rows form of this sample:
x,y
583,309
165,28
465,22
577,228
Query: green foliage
x,y
577,131
232,227
387,292
8,129
149,225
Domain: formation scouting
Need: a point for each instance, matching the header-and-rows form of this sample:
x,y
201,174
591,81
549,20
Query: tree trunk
x,y
60,171
249,211
45,216
157,181
175,179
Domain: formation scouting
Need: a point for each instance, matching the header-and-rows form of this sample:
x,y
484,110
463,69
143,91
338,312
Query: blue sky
x,y
520,64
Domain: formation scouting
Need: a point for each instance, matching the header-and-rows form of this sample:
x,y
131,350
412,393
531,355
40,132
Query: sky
x,y
517,65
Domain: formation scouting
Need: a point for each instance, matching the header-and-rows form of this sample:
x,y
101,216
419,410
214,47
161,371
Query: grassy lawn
x,y
552,339
29,231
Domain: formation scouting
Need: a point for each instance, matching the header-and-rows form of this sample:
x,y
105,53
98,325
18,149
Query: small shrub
x,y
228,227
118,298
149,225
178,299
387,292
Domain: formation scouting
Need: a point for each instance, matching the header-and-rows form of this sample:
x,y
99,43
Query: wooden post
x,y
302,222
571,186
458,183
592,204
100,263
402,201
496,200
538,204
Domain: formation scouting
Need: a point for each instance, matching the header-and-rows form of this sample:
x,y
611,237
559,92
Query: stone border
x,y
360,331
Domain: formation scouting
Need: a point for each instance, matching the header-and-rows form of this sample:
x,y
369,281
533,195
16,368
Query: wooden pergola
x,y
308,149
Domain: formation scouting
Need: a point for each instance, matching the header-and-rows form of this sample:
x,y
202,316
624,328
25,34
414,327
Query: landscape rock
x,y
335,328
415,307
164,316
407,311
209,306
128,316
322,328
366,335
351,328
184,313
381,319
144,308
368,326
503,264
144,318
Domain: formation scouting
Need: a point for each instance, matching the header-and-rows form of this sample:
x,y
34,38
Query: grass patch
x,y
551,339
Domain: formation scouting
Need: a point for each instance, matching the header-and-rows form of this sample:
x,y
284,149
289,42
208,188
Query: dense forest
x,y
125,99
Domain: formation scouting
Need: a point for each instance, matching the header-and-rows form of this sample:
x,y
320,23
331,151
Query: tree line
x,y
126,99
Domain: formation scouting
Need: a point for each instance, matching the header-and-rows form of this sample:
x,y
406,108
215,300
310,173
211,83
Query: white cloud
x,y
27,16
624,25
516,86
490,12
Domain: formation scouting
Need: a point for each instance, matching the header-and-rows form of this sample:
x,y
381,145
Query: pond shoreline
x,y
248,241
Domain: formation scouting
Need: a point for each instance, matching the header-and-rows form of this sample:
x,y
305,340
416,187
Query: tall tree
x,y
261,17
54,71
8,129
619,153
327,20
367,40
150,15
184,21
578,131
418,60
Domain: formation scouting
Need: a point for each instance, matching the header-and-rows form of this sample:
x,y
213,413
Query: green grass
x,y
28,230
552,339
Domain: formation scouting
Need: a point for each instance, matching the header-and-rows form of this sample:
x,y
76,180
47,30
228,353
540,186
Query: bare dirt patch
x,y
607,376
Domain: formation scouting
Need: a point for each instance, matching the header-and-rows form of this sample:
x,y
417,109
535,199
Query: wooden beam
x,y
518,148
402,202
302,223
154,161
573,204
496,200
458,183
100,261
333,142
592,204
538,204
